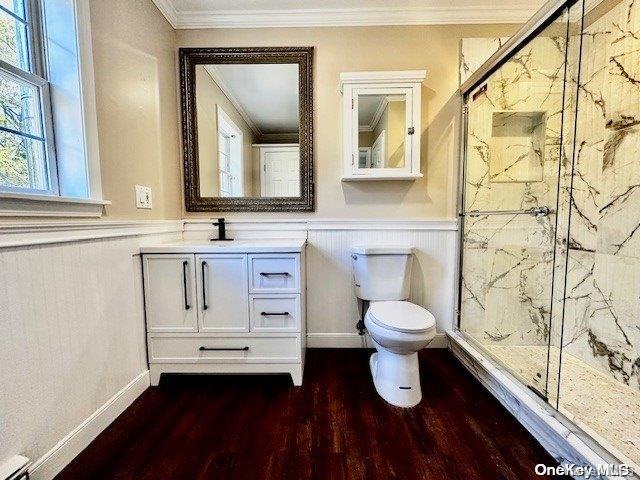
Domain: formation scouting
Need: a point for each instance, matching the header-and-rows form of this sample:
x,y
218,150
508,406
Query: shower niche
x,y
516,148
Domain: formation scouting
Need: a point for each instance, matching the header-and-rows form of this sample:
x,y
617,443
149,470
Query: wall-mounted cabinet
x,y
381,125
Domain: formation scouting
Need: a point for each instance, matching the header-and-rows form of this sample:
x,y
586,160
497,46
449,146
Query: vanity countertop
x,y
294,245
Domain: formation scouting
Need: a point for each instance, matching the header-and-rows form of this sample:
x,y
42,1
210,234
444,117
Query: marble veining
x,y
592,398
560,295
602,306
475,51
514,130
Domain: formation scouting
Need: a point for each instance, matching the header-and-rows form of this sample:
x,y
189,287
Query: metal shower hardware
x,y
534,212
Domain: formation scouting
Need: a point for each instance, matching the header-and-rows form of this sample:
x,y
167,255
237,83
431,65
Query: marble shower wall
x,y
508,260
602,306
475,51
513,148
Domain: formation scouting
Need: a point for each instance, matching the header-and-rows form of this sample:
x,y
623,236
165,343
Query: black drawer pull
x,y
184,284
268,314
268,274
222,349
204,286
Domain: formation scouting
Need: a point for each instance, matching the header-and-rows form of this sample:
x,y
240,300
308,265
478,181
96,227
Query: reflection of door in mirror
x,y
230,156
248,130
382,129
279,170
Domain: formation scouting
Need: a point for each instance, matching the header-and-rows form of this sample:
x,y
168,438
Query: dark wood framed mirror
x,y
247,129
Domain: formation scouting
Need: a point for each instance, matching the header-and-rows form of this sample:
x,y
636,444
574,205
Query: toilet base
x,y
396,377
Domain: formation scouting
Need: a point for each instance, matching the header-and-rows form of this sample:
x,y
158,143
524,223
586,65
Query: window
x,y
47,86
27,149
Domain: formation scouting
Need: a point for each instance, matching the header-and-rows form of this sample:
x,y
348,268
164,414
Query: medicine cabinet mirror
x,y
381,120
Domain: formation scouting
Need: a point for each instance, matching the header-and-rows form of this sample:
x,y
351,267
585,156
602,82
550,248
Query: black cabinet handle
x,y
267,274
268,314
204,287
214,349
184,284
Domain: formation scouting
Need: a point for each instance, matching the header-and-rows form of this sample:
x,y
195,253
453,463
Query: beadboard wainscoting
x,y
72,348
332,308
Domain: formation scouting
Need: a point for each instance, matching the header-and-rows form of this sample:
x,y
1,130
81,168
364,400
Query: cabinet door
x,y
169,292
223,293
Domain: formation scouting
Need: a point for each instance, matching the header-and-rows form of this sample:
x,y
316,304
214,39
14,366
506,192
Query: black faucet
x,y
222,233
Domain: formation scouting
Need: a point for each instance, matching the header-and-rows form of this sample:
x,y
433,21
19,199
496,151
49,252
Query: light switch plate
x,y
143,197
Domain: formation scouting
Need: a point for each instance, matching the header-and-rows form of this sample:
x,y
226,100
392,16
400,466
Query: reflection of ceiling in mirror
x,y
368,107
371,108
265,95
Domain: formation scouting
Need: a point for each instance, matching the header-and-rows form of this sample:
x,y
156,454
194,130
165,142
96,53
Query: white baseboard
x,y
353,340
52,462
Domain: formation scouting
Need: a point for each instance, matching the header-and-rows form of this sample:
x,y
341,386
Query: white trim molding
x,y
52,462
20,234
88,106
302,225
214,73
36,205
331,17
168,10
382,77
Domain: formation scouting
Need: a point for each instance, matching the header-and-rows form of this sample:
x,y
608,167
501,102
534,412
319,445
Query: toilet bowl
x,y
399,329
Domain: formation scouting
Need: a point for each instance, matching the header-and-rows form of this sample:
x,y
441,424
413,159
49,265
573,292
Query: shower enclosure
x,y
550,216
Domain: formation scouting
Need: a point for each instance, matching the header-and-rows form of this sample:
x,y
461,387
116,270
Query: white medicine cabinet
x,y
381,125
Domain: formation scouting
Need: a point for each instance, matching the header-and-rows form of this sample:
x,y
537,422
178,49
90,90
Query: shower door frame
x,y
550,12
543,18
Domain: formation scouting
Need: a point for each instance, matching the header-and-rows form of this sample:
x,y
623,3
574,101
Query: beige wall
x,y
135,73
208,97
396,134
342,49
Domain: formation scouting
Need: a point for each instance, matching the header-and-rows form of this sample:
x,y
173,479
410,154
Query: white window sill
x,y
33,205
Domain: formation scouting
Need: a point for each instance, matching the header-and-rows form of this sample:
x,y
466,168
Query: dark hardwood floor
x,y
334,427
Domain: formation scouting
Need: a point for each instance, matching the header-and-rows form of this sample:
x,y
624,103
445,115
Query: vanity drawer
x,y
206,349
277,273
275,313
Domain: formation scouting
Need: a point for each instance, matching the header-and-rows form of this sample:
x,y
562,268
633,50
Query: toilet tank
x,y
382,272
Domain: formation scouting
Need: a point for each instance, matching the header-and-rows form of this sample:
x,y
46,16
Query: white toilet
x,y
399,329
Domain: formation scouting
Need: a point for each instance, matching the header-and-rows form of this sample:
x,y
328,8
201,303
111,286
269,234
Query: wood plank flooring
x,y
333,427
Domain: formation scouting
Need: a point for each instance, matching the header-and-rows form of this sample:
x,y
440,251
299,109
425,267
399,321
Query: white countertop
x,y
294,245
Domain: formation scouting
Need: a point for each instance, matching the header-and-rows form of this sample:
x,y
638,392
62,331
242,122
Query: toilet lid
x,y
401,316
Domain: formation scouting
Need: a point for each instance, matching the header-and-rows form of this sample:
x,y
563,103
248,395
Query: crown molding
x,y
169,11
332,17
217,78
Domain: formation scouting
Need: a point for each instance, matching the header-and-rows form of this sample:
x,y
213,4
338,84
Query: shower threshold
x,y
555,430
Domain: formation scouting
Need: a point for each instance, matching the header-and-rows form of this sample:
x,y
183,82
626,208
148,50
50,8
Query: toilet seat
x,y
401,316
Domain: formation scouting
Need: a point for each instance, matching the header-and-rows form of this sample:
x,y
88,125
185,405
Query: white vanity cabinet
x,y
234,308
223,293
170,293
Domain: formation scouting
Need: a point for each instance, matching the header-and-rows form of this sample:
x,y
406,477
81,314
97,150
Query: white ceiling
x,y
367,107
266,94
274,13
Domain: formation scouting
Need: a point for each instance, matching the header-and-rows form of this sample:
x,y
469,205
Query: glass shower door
x,y
513,154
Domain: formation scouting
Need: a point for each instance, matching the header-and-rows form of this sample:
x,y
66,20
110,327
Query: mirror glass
x,y
381,131
248,123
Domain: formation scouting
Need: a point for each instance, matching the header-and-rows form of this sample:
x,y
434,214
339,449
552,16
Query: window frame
x,y
38,79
